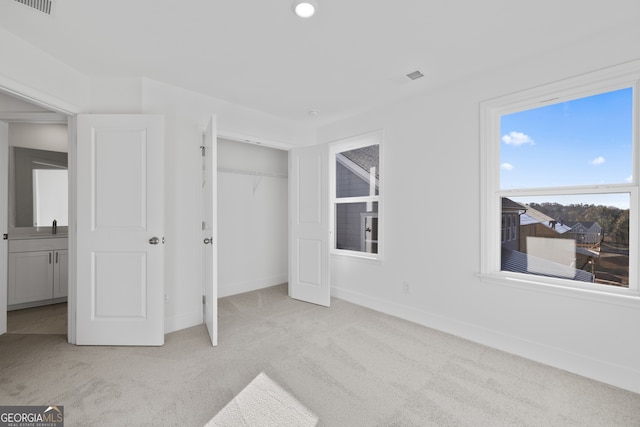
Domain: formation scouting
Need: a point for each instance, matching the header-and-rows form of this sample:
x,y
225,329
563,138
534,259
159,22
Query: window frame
x,y
624,76
359,141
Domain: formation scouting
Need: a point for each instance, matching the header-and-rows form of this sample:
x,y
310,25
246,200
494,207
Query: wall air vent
x,y
44,6
415,75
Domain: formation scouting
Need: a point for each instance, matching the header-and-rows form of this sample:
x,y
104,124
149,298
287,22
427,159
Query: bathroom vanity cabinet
x,y
38,271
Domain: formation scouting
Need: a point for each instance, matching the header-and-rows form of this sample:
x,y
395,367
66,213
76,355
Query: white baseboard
x,y
599,370
228,289
183,321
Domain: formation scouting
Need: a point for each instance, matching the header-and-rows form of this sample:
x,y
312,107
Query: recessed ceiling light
x,y
305,8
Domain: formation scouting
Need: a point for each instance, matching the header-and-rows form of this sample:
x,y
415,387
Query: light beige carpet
x,y
46,319
349,365
263,403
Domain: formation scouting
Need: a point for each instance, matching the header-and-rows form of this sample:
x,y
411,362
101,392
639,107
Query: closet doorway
x,y
253,223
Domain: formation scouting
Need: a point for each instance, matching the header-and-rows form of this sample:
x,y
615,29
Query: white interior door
x,y
4,213
209,229
309,216
120,226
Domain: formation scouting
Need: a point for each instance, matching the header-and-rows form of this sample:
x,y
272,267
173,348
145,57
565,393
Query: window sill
x,y
358,256
616,296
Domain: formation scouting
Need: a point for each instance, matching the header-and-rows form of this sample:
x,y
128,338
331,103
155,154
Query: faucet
x,y
54,227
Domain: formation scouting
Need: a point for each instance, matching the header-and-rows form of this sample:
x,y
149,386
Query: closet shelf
x,y
254,173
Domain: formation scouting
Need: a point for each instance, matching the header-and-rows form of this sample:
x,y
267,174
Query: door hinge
x,y
204,225
204,299
5,236
204,150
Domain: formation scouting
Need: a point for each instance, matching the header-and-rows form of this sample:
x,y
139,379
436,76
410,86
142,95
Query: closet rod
x,y
254,173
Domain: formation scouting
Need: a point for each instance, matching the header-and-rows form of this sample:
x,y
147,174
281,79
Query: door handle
x,y
208,241
154,241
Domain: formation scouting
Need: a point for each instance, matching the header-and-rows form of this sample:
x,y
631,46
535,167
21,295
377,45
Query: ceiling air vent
x,y
44,6
415,75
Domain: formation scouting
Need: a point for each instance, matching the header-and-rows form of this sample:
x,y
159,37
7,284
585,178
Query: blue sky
x,y
587,141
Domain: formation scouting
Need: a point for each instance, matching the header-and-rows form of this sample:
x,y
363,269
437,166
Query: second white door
x,y
120,227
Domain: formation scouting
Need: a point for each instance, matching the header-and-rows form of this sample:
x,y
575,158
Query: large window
x,y
356,192
560,185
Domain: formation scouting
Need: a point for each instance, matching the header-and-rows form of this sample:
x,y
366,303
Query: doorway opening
x,y
253,226
35,257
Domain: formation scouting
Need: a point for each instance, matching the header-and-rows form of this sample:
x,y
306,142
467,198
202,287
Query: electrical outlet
x,y
406,288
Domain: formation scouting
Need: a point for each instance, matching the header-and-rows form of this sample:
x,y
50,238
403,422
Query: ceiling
x,y
351,56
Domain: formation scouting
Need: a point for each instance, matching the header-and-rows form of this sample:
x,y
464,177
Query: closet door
x,y
309,215
210,230
4,224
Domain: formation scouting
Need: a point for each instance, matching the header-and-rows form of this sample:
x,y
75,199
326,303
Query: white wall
x,y
432,227
36,75
11,104
251,157
40,136
252,217
116,96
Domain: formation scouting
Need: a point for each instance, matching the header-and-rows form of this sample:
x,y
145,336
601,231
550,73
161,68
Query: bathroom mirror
x,y
39,188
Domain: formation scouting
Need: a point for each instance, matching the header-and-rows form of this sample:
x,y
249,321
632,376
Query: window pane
x,y
578,237
357,227
586,141
357,172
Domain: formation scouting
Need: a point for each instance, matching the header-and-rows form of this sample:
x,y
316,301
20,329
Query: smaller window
x,y
356,195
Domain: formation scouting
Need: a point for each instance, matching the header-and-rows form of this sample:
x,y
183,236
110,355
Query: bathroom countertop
x,y
39,236
28,233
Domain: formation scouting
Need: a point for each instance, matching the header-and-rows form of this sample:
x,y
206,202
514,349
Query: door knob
x,y
154,241
208,241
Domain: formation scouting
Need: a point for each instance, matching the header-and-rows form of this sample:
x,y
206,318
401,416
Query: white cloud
x,y
507,166
517,139
629,178
598,161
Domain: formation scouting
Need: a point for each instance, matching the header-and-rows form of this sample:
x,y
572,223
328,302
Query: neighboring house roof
x,y
365,158
532,216
518,262
585,226
510,205
578,228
